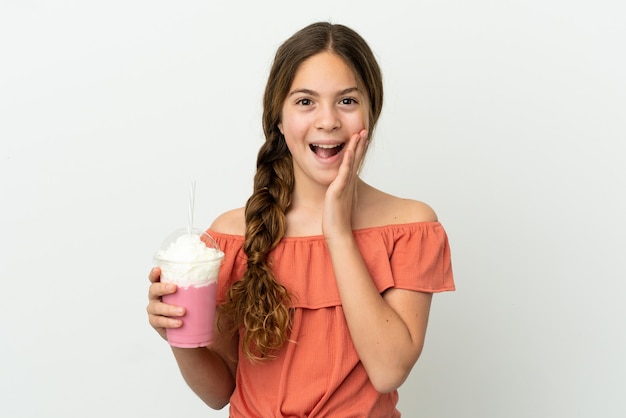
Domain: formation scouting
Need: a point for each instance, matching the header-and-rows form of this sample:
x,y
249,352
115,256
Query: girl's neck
x,y
310,198
305,214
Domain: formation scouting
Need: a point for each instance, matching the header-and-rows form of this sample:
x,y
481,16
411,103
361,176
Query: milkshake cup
x,y
191,259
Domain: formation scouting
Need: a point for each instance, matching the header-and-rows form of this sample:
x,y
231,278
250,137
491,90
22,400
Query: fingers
x,y
354,153
157,290
340,193
162,315
361,148
347,163
355,140
155,275
156,305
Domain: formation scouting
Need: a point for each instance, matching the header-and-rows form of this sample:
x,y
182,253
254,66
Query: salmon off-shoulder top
x,y
318,372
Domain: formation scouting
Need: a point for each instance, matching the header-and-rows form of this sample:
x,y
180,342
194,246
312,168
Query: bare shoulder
x,y
382,208
232,222
415,211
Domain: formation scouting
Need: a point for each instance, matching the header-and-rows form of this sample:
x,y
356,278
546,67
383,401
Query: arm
x,y
387,330
209,372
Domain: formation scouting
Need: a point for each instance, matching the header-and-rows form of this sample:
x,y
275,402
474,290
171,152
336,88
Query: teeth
x,y
326,146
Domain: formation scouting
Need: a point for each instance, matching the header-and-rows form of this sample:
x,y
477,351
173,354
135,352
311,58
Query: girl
x,y
326,286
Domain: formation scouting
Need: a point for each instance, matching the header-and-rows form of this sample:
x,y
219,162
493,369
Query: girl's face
x,y
324,107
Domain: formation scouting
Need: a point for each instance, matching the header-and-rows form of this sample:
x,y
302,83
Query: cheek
x,y
294,126
359,121
365,114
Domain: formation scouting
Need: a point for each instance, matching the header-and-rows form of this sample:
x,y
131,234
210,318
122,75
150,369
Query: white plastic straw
x,y
192,198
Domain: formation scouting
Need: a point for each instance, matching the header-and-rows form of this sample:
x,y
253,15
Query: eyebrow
x,y
313,93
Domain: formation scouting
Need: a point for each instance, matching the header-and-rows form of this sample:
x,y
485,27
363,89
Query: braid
x,y
257,302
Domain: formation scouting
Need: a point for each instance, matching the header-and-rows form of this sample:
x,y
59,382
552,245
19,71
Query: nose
x,y
327,118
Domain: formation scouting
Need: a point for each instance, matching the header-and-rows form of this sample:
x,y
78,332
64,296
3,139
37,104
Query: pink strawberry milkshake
x,y
192,262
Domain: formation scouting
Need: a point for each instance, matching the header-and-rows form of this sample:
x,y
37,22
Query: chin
x,y
326,180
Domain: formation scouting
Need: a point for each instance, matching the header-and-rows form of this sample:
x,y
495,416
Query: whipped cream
x,y
187,261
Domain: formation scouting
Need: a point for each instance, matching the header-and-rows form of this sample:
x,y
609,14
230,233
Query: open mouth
x,y
326,151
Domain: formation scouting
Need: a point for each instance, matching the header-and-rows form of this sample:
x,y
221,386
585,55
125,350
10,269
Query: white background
x,y
508,117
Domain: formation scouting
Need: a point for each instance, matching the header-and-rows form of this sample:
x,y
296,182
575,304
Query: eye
x,y
304,102
348,101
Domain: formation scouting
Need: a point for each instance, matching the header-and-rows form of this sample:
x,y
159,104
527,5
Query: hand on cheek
x,y
337,216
